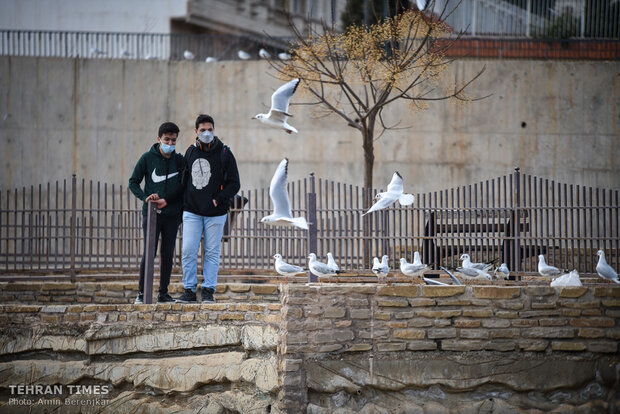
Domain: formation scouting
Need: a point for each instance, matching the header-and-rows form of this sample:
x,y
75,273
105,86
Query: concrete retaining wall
x,y
557,120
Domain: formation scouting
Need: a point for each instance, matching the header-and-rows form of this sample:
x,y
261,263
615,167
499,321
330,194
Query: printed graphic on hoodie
x,y
201,173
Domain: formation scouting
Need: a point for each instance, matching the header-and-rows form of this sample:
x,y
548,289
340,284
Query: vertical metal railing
x,y
80,226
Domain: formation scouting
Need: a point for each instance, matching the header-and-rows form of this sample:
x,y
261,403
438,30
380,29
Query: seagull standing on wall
x,y
331,262
413,269
319,268
394,192
187,55
502,271
544,269
243,55
282,215
278,114
480,266
381,269
604,270
286,269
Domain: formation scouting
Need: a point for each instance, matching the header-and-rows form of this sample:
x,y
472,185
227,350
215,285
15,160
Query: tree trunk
x,y
369,161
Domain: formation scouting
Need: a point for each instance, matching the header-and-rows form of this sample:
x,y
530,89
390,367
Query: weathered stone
x,y
551,332
580,304
612,292
504,314
110,339
259,338
54,309
420,323
591,333
603,346
262,372
439,333
568,346
495,323
552,322
533,345
401,291
421,345
420,302
409,333
391,346
591,312
442,291
542,305
573,292
399,303
509,304
359,347
237,287
438,313
477,313
265,289
360,313
466,323
539,291
333,312
611,303
496,292
473,333
593,322
462,345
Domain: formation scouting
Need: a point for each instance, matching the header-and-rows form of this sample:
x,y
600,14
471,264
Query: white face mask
x,y
206,137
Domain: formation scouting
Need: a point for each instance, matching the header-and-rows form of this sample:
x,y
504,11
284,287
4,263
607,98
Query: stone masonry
x,y
343,348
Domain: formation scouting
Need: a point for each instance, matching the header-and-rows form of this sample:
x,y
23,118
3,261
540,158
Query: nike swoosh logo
x,y
159,178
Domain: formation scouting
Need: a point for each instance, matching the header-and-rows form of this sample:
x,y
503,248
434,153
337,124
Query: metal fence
x,y
86,226
114,45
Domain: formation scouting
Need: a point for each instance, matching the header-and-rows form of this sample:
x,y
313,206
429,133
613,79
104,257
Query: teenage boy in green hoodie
x,y
161,170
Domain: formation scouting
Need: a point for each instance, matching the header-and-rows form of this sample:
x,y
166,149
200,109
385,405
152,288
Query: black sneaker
x,y
188,296
140,299
165,298
206,295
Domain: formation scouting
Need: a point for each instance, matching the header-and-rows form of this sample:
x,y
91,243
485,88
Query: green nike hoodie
x,y
162,176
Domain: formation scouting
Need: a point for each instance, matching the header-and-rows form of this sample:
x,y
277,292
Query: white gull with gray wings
x,y
282,215
278,114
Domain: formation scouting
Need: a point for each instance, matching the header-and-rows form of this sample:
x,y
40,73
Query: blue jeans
x,y
193,228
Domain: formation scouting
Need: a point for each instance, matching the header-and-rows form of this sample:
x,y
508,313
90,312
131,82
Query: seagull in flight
x,y
278,114
604,270
394,192
544,269
282,215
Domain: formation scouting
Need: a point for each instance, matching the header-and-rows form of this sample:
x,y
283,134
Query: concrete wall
x,y
557,120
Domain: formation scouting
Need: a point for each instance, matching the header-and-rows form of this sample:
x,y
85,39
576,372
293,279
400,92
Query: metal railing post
x,y
149,251
312,231
73,235
517,220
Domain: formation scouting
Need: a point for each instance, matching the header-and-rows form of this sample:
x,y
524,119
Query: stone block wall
x,y
418,348
156,358
121,292
344,348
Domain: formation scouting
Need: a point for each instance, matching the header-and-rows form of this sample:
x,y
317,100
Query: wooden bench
x,y
450,233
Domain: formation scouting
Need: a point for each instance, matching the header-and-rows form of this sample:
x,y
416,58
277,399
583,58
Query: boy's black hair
x,y
202,118
168,128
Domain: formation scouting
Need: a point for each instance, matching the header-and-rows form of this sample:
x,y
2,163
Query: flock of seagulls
x,y
468,271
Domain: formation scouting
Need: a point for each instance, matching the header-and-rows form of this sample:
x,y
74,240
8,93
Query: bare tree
x,y
359,73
